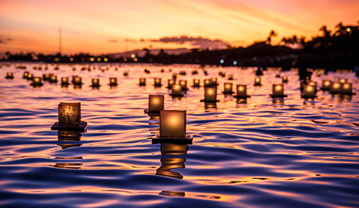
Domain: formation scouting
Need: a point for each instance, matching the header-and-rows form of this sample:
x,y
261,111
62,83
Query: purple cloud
x,y
193,41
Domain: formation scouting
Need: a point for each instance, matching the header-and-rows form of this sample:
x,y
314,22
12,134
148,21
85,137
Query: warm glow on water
x,y
262,152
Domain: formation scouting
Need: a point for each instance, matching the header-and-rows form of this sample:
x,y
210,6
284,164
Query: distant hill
x,y
141,52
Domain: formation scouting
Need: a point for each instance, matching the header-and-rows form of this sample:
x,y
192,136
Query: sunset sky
x,y
110,26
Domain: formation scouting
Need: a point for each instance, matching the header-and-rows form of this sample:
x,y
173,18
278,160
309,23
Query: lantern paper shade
x,y
241,91
346,88
309,91
64,80
326,85
170,82
142,82
196,83
207,82
30,76
36,81
46,77
257,81
228,87
336,88
285,79
314,84
342,80
95,82
113,81
278,90
183,84
155,103
158,82
53,78
214,81
173,124
77,80
25,75
69,114
9,75
210,94
176,90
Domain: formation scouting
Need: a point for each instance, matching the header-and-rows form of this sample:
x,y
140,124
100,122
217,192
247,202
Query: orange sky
x,y
109,26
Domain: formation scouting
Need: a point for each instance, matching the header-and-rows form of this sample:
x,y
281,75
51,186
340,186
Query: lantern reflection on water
x,y
170,159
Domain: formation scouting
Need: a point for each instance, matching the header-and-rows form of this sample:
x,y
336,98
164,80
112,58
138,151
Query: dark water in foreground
x,y
260,154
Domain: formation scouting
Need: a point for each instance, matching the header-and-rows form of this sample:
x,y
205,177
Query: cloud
x,y
193,41
130,40
112,41
4,39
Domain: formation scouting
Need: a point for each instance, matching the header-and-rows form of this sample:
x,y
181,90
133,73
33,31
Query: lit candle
x,y
95,82
64,81
173,124
309,91
113,81
196,83
342,80
25,75
278,90
9,75
336,88
155,103
210,94
241,91
257,81
346,89
183,84
285,79
207,82
158,82
326,85
170,82
142,82
228,88
176,90
69,114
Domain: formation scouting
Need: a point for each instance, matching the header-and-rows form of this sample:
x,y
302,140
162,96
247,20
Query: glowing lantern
x,y
95,82
228,88
257,81
313,84
113,81
326,85
64,81
183,84
309,91
285,79
336,88
173,124
53,79
155,104
346,89
278,90
142,82
210,94
230,77
158,82
196,83
207,82
242,92
30,76
214,81
176,90
9,75
170,82
76,80
69,117
25,75
36,82
46,77
342,80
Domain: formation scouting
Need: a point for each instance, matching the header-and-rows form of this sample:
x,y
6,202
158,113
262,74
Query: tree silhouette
x,y
272,34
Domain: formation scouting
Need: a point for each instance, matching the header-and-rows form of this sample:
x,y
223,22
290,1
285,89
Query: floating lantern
x,y
194,72
326,85
142,82
176,90
170,82
64,81
214,81
228,88
158,82
278,91
313,84
285,79
183,84
210,94
207,82
346,89
342,80
76,80
25,75
230,77
174,76
155,104
95,83
257,81
46,77
309,91
336,88
9,75
196,83
69,117
125,74
242,92
113,81
53,79
182,73
36,82
277,75
30,76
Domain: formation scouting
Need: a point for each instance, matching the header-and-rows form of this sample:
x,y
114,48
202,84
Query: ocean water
x,y
262,153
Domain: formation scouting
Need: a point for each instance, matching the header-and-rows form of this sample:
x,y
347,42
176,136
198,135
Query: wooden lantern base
x,y
209,101
152,112
186,140
241,97
228,93
181,95
278,96
81,128
257,85
112,85
196,86
306,97
36,85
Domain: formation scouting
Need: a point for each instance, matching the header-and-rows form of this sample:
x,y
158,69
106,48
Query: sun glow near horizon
x,y
114,26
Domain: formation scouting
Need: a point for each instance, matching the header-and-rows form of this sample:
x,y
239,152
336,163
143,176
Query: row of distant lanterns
x,y
309,89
